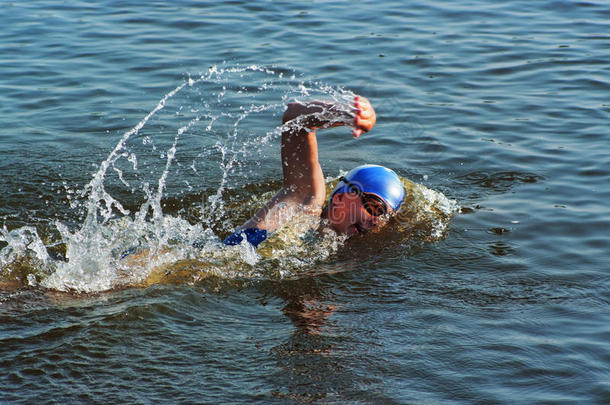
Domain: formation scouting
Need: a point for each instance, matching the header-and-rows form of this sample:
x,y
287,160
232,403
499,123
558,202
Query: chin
x,y
350,230
342,230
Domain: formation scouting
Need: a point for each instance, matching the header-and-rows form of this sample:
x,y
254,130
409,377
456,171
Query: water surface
x,y
501,107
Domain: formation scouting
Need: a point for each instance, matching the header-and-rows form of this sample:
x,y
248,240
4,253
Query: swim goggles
x,y
373,204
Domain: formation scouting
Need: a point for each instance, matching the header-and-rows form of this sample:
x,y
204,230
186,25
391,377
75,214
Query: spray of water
x,y
202,135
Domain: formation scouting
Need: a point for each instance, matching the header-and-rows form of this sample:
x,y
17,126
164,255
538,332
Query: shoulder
x,y
310,202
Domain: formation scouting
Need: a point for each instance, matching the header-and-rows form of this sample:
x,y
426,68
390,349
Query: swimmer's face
x,y
348,215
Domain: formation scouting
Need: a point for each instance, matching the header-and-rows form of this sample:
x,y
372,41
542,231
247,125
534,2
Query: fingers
x,y
362,122
364,108
365,116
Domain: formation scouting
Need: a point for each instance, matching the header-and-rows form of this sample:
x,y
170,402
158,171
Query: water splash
x,y
209,133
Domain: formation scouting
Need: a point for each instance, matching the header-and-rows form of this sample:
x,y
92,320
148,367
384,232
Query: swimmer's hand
x,y
365,116
319,115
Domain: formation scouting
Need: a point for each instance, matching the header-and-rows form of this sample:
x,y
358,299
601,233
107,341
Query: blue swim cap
x,y
377,180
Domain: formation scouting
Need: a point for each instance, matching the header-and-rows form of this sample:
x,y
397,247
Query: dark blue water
x,y
502,107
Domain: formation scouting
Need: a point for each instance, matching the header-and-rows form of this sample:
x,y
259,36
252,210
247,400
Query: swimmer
x,y
359,203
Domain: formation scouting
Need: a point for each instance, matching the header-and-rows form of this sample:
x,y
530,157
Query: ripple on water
x,y
501,106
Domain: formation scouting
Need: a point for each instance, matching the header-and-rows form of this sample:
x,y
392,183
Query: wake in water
x,y
203,135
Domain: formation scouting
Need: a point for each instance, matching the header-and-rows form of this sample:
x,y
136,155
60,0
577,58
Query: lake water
x,y
155,122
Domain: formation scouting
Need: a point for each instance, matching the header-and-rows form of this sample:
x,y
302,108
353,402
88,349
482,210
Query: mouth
x,y
359,229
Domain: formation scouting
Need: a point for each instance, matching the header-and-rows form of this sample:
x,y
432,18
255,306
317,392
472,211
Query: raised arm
x,y
303,187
